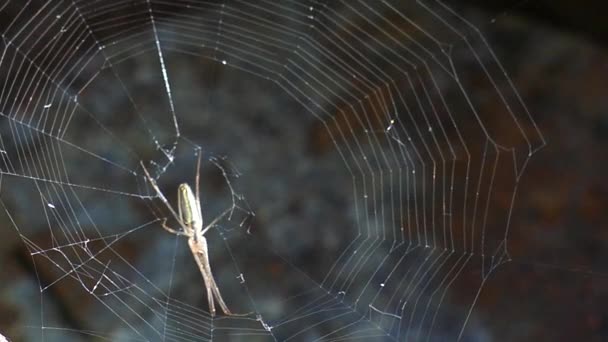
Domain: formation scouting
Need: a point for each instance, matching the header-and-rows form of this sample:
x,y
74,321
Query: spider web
x,y
360,144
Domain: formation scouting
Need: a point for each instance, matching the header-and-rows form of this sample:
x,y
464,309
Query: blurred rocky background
x,y
555,288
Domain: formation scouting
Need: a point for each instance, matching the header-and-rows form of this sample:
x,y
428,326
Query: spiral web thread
x,y
429,158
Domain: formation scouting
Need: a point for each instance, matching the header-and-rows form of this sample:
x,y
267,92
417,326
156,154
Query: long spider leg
x,y
197,178
209,294
171,230
212,284
218,295
220,299
198,257
202,251
162,197
216,220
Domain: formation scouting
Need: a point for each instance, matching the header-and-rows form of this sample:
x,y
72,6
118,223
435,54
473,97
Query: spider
x,y
190,219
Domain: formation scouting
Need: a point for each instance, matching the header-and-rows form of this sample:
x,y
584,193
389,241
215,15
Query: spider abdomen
x,y
189,208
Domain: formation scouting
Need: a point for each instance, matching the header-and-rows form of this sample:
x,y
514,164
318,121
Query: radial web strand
x,y
370,153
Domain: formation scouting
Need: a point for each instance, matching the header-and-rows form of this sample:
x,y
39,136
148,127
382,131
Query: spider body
x,y
189,210
190,218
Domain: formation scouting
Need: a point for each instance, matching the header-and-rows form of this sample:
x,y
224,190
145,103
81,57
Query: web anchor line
x,y
361,153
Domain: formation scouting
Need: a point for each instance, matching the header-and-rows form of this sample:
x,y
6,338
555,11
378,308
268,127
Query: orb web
x,y
371,151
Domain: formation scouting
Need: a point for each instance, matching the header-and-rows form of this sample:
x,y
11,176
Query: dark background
x,y
555,287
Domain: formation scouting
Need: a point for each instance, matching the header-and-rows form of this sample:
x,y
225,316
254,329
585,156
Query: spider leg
x,y
162,197
218,295
203,264
201,255
210,300
216,220
208,285
216,291
210,297
171,230
197,178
